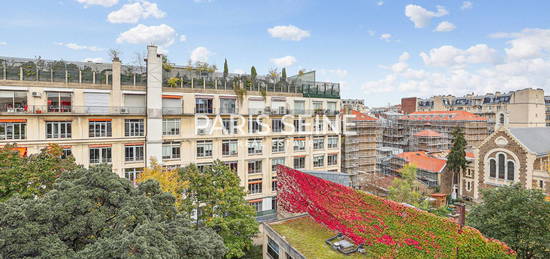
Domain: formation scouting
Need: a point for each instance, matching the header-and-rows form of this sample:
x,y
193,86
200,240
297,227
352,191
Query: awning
x,y
204,96
228,97
171,97
134,144
100,119
13,120
99,145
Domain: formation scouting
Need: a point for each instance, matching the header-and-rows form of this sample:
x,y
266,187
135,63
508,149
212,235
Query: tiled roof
x,y
443,116
428,133
362,117
423,161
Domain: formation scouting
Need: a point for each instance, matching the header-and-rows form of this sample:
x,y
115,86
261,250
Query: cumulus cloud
x,y
285,61
105,3
447,55
422,17
445,26
162,35
200,54
466,5
93,60
133,12
75,46
529,43
289,32
386,37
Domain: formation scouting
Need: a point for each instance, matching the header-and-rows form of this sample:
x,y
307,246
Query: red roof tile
x,y
428,133
444,115
423,161
362,117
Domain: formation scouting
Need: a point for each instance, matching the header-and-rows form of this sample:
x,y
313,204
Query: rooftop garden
x,y
386,228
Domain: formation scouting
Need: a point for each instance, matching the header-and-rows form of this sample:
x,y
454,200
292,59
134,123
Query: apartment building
x,y
359,147
547,107
354,104
127,115
521,108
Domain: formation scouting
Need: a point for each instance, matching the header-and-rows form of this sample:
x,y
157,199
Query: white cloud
x,y
380,3
386,37
529,43
162,35
289,32
3,43
447,56
94,60
132,13
105,3
466,5
200,54
422,17
75,46
183,38
285,61
445,26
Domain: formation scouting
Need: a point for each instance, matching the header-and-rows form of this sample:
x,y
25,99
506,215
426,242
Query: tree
x,y
456,160
516,216
216,194
168,180
283,74
93,213
253,73
225,69
31,176
405,188
114,54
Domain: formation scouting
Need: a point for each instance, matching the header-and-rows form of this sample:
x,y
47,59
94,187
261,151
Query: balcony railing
x,y
80,110
208,111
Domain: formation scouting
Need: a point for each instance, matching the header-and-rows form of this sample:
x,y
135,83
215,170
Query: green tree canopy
x,y
253,73
216,194
456,160
33,175
405,188
516,216
225,69
93,213
283,74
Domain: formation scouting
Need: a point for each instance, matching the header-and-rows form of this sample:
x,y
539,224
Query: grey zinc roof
x,y
537,140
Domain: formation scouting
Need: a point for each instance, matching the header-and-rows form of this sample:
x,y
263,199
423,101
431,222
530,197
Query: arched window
x,y
501,164
501,119
511,169
492,168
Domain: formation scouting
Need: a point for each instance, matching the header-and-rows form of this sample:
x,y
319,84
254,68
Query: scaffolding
x,y
360,148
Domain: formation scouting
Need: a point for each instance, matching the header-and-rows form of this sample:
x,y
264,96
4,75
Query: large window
x,y
233,165
255,186
255,167
300,162
254,146
277,125
13,101
299,107
228,106
134,128
274,189
132,173
332,142
230,126
275,162
230,147
204,148
254,125
59,102
319,125
13,130
300,125
171,127
203,126
300,144
204,105
272,248
319,161
278,145
58,129
133,153
100,128
318,143
257,205
100,155
331,107
171,150
332,159
502,167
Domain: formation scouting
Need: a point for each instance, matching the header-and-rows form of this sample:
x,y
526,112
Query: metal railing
x,y
80,110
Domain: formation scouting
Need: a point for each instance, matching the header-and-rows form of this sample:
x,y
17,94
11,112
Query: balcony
x,y
229,111
73,110
205,111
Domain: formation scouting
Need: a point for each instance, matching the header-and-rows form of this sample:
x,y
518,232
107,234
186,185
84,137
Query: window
x,y
228,106
230,126
58,129
67,152
274,189
272,248
501,118
171,127
134,128
59,102
13,101
332,142
300,162
230,147
300,125
254,146
255,167
277,145
275,162
501,168
254,125
203,105
172,105
319,161
332,125
318,143
501,163
277,125
317,106
13,130
510,169
255,186
318,126
204,148
492,168
331,107
133,153
257,205
541,184
100,155
299,107
171,150
256,106
300,144
274,200
233,165
469,186
203,126
132,173
100,128
203,166
469,172
332,159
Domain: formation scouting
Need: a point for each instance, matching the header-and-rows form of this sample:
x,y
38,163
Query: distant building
x,y
360,143
547,106
354,104
409,104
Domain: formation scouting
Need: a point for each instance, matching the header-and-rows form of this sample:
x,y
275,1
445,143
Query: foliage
x,y
174,82
386,228
114,54
93,213
33,175
273,73
405,188
283,74
216,193
166,66
240,92
456,160
225,69
263,93
168,180
253,73
517,216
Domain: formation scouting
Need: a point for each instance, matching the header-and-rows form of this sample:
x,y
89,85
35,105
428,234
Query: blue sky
x,y
379,50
